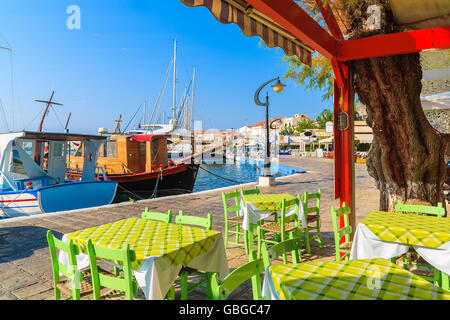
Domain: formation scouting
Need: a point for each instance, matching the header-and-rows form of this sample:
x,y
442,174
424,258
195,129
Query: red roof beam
x,y
394,44
291,17
330,20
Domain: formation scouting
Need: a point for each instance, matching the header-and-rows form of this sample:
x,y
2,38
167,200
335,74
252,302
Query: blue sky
x,y
119,58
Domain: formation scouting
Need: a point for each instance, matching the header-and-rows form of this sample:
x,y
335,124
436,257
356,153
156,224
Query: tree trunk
x,y
407,154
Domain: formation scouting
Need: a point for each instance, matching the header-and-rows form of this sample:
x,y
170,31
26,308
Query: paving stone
x,y
19,279
32,290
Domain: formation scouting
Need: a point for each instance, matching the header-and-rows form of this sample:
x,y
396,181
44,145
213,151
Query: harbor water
x,y
214,176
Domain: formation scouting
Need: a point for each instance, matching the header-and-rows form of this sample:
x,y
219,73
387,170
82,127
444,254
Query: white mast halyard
x,y
174,83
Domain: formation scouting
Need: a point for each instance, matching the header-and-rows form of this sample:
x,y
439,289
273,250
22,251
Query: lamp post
x,y
277,87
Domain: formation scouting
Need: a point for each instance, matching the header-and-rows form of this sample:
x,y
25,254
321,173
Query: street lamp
x,y
277,87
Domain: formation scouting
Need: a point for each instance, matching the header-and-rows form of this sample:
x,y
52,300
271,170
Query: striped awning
x,y
253,23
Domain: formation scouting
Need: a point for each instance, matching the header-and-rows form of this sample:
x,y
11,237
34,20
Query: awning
x,y
364,138
327,140
417,14
253,23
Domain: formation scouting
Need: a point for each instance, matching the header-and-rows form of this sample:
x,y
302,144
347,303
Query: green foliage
x,y
317,77
289,131
325,116
303,125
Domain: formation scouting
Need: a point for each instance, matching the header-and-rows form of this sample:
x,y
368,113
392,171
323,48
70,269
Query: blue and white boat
x,y
33,181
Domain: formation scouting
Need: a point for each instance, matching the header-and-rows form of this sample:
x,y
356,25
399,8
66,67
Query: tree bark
x,y
407,154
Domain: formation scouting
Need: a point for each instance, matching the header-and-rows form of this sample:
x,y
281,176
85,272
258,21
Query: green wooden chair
x,y
233,222
186,286
283,229
78,282
294,246
157,215
345,232
438,211
251,270
255,190
118,284
312,214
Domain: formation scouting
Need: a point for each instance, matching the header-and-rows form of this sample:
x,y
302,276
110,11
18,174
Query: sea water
x,y
224,175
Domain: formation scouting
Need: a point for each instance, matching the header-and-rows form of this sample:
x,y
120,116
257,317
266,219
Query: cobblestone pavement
x,y
25,268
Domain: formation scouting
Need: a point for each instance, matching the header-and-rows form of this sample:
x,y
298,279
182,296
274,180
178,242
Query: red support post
x,y
344,161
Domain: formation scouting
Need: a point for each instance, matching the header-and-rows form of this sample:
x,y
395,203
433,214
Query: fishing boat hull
x,y
173,180
14,204
59,197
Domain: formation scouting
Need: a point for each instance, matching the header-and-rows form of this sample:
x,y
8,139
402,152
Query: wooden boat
x,y
28,187
140,165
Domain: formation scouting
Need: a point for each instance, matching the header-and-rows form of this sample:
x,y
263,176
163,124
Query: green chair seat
x,y
312,214
186,285
126,283
342,249
284,228
438,211
294,246
233,220
75,283
221,290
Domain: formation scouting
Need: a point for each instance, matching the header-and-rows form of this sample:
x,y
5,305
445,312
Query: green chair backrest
x,y
438,211
157,215
284,205
310,196
123,257
71,271
194,221
345,231
280,249
249,191
235,207
250,270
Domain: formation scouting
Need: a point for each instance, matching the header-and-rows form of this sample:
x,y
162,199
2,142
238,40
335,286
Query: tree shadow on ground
x,y
21,242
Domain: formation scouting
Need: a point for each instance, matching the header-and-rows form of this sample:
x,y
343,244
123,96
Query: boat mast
x,y
174,82
145,107
67,122
49,102
117,124
191,109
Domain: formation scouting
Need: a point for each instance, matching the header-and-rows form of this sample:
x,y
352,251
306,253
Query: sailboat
x,y
138,159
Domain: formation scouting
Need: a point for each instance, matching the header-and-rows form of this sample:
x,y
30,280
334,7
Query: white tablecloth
x,y
268,290
252,214
366,245
156,275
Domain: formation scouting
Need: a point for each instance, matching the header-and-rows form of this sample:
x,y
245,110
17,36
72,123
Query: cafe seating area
x,y
162,256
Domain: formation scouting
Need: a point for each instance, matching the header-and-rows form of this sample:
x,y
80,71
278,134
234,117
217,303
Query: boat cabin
x,y
38,159
126,154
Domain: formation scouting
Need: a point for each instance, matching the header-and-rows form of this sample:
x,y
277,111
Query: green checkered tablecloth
x,y
370,279
411,229
267,202
177,244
